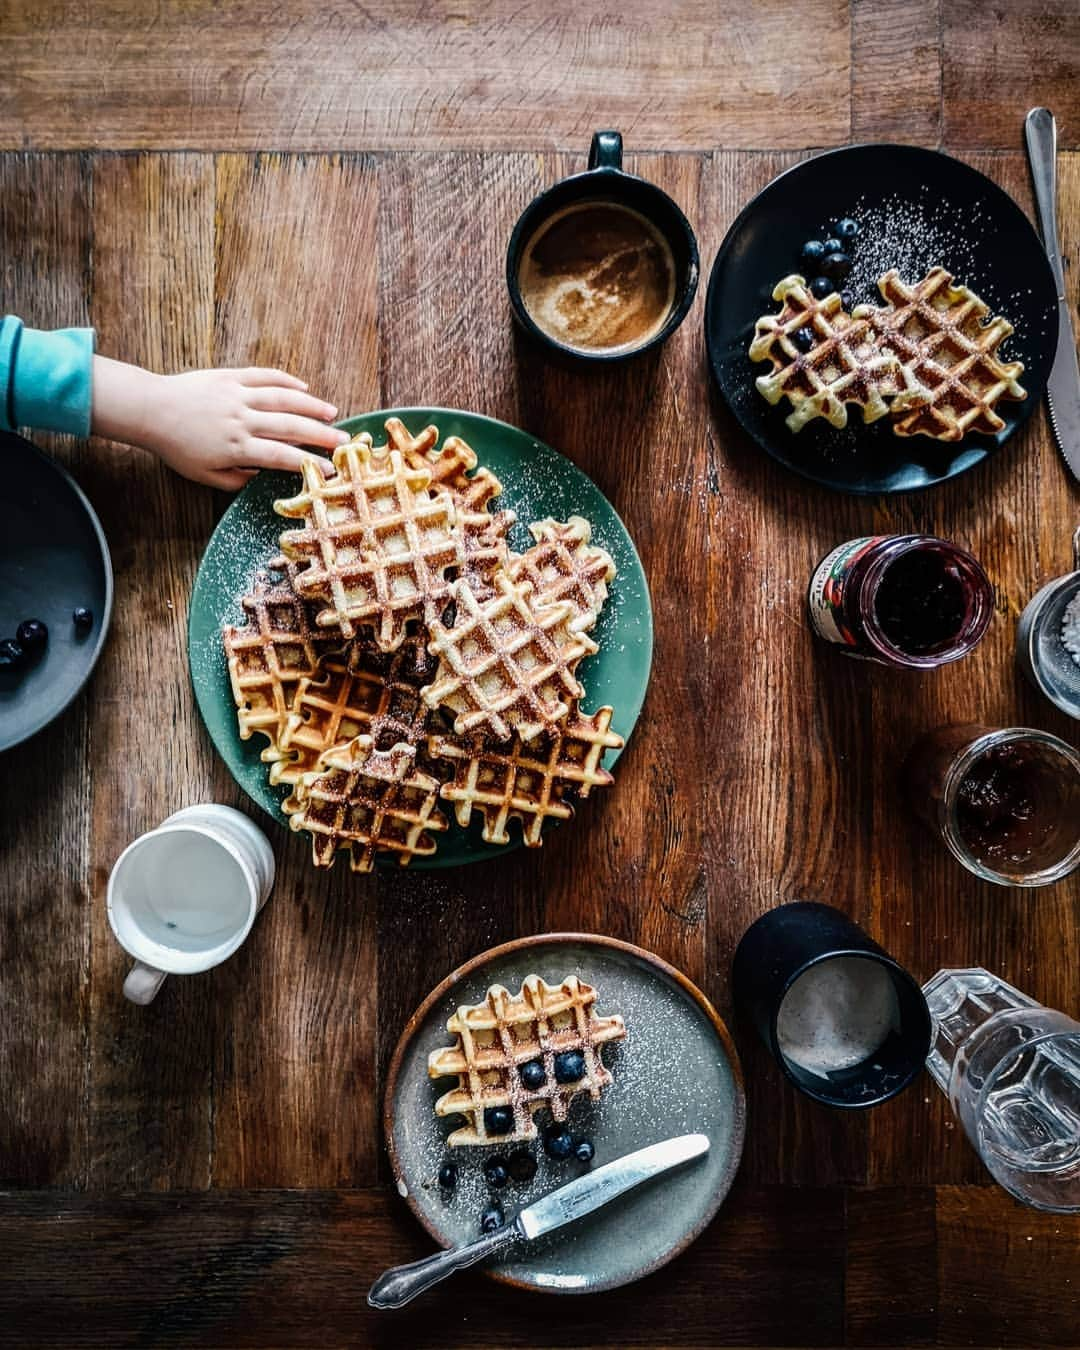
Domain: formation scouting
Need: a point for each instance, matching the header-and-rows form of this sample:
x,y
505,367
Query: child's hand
x,y
214,426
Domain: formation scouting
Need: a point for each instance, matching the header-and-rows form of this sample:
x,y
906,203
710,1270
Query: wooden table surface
x,y
329,187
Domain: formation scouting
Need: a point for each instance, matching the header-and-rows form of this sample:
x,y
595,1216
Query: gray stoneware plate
x,y
54,559
676,1072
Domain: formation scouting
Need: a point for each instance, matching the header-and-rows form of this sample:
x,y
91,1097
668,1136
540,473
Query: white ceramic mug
x,y
183,897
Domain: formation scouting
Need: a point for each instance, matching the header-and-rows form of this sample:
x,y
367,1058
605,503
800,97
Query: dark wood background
x,y
329,187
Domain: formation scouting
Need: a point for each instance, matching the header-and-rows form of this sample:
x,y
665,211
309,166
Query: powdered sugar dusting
x,y
655,1094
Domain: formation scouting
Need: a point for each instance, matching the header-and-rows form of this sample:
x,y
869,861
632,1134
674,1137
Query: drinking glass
x,y
1011,1071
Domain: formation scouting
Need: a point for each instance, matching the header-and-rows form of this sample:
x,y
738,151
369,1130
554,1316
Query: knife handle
x,y
1040,133
398,1285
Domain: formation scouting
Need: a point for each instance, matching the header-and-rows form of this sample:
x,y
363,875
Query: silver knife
x,y
1063,387
566,1205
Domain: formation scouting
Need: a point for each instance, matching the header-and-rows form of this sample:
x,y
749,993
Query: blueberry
x,y
448,1176
847,299
832,245
11,654
569,1066
836,265
498,1119
492,1219
804,338
533,1074
820,287
31,635
82,617
558,1142
584,1151
813,251
521,1164
496,1172
847,228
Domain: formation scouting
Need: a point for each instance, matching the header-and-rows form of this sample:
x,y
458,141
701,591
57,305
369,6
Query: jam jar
x,y
1006,801
907,600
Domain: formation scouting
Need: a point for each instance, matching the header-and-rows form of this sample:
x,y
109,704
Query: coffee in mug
x,y
598,276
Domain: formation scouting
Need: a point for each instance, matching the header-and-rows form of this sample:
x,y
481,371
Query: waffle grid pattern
x,y
496,1037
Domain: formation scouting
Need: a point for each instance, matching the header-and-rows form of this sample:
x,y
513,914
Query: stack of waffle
x,y
929,358
398,653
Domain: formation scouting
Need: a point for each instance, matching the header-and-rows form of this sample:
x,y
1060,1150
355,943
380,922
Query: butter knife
x,y
1063,386
565,1205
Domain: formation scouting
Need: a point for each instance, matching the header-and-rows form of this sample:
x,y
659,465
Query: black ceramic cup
x,y
606,182
826,1036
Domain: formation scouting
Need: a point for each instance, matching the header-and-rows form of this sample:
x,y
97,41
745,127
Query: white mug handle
x,y
143,982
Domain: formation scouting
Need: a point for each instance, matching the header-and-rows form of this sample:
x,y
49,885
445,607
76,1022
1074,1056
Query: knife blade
x,y
1063,386
565,1205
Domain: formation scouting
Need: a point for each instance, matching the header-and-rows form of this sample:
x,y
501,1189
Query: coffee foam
x,y
598,276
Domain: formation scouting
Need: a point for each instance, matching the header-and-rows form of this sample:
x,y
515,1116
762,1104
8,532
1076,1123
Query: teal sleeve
x,y
45,378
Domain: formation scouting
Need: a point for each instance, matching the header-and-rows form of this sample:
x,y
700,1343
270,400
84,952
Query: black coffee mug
x,y
785,944
606,182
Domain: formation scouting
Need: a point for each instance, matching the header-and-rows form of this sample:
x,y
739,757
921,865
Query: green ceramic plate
x,y
677,1072
537,482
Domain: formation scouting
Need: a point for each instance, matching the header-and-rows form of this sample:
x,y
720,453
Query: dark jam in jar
x,y
1001,806
903,600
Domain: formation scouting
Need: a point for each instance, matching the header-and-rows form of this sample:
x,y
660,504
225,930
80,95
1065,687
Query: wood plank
x,y
452,345
890,1284
1007,1275
896,71
1000,60
152,305
289,1268
45,241
296,287
1017,514
789,723
399,74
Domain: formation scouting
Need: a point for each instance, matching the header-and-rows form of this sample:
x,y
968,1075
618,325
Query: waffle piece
x,y
279,645
359,692
526,782
496,1037
940,333
482,531
563,565
844,365
343,806
506,666
376,539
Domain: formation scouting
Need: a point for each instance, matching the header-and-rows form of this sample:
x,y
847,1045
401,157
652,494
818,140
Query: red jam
x,y
903,600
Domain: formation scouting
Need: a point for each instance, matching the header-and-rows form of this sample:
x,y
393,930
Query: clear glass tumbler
x,y
1011,1071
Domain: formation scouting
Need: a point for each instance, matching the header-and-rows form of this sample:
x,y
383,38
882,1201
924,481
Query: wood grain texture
x,y
151,1076
296,287
405,75
45,242
1007,1275
896,70
890,1289
765,766
787,820
1000,60
288,1268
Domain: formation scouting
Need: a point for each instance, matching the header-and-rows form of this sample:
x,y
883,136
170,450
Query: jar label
x,y
826,597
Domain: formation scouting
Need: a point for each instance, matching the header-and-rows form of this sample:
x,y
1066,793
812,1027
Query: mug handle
x,y
143,982
606,150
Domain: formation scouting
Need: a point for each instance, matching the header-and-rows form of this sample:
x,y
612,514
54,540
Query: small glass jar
x,y
1005,801
906,600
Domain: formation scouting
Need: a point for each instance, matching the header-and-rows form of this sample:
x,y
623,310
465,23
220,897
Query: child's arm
x,y
215,426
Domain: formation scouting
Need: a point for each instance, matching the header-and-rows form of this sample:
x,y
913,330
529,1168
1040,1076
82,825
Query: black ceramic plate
x,y
916,209
53,558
